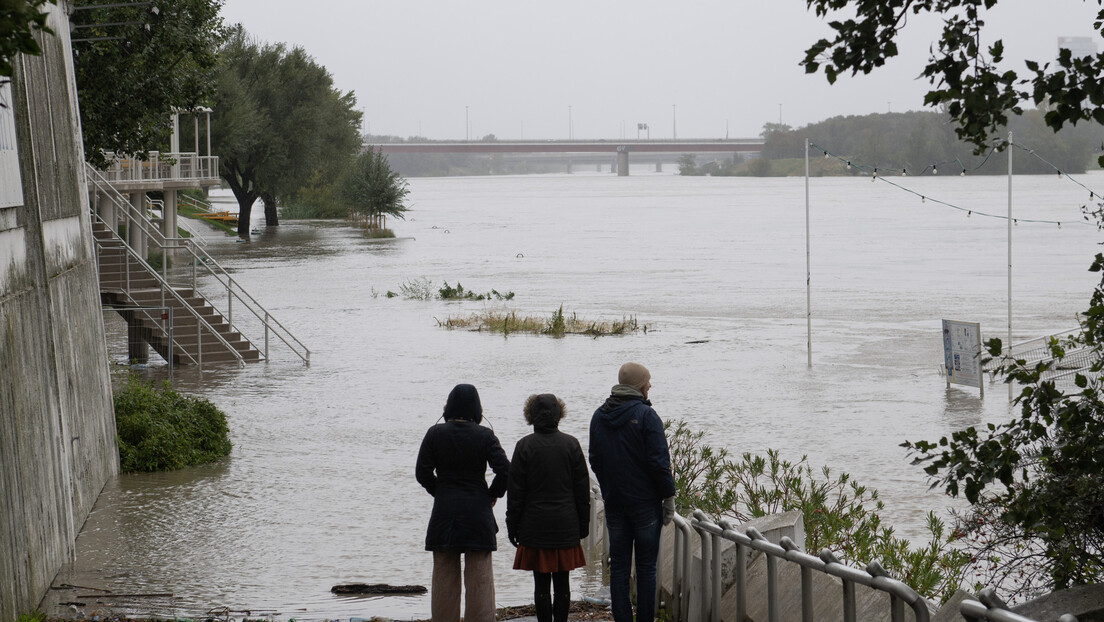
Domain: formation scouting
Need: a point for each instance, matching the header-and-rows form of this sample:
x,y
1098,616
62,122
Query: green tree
x,y
1035,482
688,164
19,20
968,79
137,62
279,124
370,187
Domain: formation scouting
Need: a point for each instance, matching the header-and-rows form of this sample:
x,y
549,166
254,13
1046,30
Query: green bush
x,y
160,430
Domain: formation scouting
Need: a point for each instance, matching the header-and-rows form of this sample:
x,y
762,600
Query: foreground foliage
x,y
160,430
971,81
840,514
18,23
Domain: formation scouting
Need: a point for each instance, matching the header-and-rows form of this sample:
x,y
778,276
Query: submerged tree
x,y
371,188
278,124
1036,482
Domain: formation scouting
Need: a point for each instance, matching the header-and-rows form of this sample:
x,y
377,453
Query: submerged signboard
x,y
962,353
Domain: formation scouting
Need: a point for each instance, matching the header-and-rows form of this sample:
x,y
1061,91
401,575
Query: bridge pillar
x,y
622,163
659,166
569,167
613,166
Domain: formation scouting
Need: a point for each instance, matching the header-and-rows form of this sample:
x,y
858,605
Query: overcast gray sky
x,y
596,68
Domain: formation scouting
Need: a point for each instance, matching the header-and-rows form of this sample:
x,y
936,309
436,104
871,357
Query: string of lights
x,y
934,168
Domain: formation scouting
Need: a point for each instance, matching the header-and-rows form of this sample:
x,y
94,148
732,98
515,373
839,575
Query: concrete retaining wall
x,y
57,427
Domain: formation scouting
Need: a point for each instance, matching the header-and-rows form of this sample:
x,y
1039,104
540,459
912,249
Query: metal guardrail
x,y
200,259
990,608
1037,350
873,576
161,167
168,291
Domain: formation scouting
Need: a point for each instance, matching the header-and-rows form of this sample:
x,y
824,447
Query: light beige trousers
x,y
479,594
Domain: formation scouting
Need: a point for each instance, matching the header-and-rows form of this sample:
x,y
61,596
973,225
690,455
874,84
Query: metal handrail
x,y
873,576
200,257
161,167
990,608
680,571
165,286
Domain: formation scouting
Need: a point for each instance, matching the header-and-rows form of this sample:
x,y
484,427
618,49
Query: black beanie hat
x,y
463,403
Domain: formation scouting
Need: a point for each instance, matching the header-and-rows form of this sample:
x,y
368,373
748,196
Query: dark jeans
x,y
634,529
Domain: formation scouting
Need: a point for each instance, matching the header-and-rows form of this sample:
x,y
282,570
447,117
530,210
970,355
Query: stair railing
x,y
167,289
200,258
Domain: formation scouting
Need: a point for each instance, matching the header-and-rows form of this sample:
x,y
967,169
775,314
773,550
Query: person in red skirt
x,y
548,506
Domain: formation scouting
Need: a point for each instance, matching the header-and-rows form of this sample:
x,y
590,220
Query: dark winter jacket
x,y
628,451
452,464
548,505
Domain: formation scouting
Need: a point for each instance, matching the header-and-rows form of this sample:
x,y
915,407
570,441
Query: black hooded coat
x,y
452,466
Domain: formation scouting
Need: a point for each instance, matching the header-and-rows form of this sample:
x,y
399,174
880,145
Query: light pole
x,y
674,123
467,125
570,124
779,115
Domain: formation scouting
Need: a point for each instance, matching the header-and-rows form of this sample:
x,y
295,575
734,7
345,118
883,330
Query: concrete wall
x,y
57,428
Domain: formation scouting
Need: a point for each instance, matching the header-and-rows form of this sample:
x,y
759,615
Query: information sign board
x,y
962,353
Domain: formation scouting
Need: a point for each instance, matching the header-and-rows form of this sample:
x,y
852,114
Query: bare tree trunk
x,y
272,219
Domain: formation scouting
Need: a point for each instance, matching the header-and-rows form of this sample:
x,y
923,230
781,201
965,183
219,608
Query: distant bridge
x,y
622,148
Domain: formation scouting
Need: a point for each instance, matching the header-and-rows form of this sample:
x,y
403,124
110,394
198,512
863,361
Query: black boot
x,y
543,603
560,607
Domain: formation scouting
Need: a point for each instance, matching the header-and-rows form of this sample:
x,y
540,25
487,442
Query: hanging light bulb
x,y
1016,222
875,176
968,213
935,171
1059,173
904,172
849,165
923,199
1092,195
963,173
1059,224
825,155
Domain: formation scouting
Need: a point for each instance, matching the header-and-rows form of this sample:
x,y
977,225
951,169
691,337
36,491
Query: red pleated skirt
x,y
549,560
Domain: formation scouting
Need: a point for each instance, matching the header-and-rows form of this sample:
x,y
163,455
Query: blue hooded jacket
x,y
628,452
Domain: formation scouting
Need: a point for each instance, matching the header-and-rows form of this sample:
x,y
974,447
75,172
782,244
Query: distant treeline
x,y
912,142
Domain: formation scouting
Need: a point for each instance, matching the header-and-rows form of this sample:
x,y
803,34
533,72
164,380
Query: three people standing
x,y
548,507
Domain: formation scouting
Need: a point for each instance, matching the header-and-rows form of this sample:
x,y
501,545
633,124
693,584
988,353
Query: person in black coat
x,y
548,506
452,466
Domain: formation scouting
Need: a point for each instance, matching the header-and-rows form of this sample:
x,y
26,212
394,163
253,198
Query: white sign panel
x,y
962,352
11,188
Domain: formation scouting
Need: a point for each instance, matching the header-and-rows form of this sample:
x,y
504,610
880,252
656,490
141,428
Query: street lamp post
x,y
674,123
570,124
467,125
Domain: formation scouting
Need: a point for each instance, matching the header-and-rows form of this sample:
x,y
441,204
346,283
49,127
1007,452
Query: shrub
x,y
160,430
840,514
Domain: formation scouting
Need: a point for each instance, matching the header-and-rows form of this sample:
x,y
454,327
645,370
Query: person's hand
x,y
668,510
513,539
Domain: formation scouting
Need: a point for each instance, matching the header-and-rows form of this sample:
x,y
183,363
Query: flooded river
x,y
320,488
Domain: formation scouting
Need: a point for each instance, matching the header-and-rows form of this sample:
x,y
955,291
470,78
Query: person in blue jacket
x,y
452,466
629,456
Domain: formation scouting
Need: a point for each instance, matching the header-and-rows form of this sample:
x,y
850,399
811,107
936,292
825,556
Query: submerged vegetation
x,y
160,430
557,325
424,289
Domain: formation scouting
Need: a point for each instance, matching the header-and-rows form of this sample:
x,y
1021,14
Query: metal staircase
x,y
165,309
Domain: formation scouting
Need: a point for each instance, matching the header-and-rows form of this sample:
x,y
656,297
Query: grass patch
x,y
424,289
557,325
160,430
